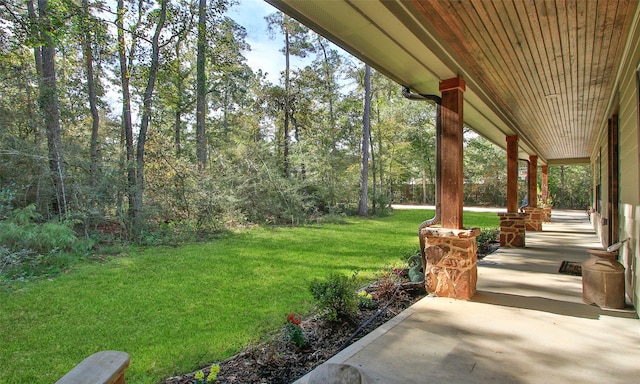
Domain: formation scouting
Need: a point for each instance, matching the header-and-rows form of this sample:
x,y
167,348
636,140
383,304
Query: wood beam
x,y
544,189
533,181
451,183
512,174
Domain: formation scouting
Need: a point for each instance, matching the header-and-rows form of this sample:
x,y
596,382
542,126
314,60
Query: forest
x,y
141,121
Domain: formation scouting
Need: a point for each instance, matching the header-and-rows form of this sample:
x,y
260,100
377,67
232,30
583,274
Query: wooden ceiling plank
x,y
470,42
529,19
538,110
512,83
564,57
557,28
538,71
569,130
603,33
547,19
592,47
503,83
582,17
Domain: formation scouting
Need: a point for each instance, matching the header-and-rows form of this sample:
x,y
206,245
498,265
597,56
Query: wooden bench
x,y
105,367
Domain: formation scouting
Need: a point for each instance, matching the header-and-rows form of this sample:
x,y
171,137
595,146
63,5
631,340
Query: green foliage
x,y
486,237
336,297
570,186
294,331
30,248
21,232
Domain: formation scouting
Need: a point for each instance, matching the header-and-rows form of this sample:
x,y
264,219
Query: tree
x,y
50,109
485,171
366,134
126,61
295,43
201,93
146,116
87,52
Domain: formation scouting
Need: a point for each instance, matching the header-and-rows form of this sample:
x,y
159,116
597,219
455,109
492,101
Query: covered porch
x,y
526,324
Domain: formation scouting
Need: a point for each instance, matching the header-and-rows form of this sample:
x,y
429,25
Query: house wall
x,y
629,167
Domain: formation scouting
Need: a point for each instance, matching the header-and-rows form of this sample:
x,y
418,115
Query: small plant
x,y
336,295
296,336
386,289
365,300
199,377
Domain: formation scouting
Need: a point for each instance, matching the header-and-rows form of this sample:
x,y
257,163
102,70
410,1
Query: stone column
x,y
452,257
451,164
535,217
512,229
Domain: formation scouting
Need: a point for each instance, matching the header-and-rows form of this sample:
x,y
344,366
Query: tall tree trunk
x,y
366,133
374,164
329,94
87,52
146,116
127,125
201,140
177,132
424,187
285,133
51,111
37,55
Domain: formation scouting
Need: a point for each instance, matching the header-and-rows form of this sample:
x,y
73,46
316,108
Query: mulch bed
x,y
278,361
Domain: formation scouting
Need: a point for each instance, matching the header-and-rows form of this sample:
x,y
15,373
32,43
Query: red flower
x,y
291,318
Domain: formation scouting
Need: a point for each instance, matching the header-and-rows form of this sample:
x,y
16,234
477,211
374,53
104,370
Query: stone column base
x,y
535,217
452,256
547,215
512,230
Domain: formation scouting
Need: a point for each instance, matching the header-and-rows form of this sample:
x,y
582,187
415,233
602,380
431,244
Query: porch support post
x,y
544,189
450,252
451,164
533,181
512,223
535,215
512,174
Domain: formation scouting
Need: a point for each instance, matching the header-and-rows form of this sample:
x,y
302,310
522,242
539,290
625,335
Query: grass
x,y
176,309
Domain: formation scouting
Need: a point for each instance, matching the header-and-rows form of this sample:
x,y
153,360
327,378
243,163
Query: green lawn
x,y
176,309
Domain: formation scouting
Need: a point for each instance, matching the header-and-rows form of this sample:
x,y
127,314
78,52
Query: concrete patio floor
x,y
526,324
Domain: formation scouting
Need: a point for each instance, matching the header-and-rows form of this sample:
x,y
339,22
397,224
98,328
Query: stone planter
x,y
451,258
512,230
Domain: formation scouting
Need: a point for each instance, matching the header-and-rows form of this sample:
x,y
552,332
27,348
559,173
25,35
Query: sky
x,y
265,52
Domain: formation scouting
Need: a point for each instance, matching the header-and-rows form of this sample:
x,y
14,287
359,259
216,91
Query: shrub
x,y
336,295
22,232
486,237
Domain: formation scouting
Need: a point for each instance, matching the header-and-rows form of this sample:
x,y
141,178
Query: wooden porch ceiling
x,y
545,70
